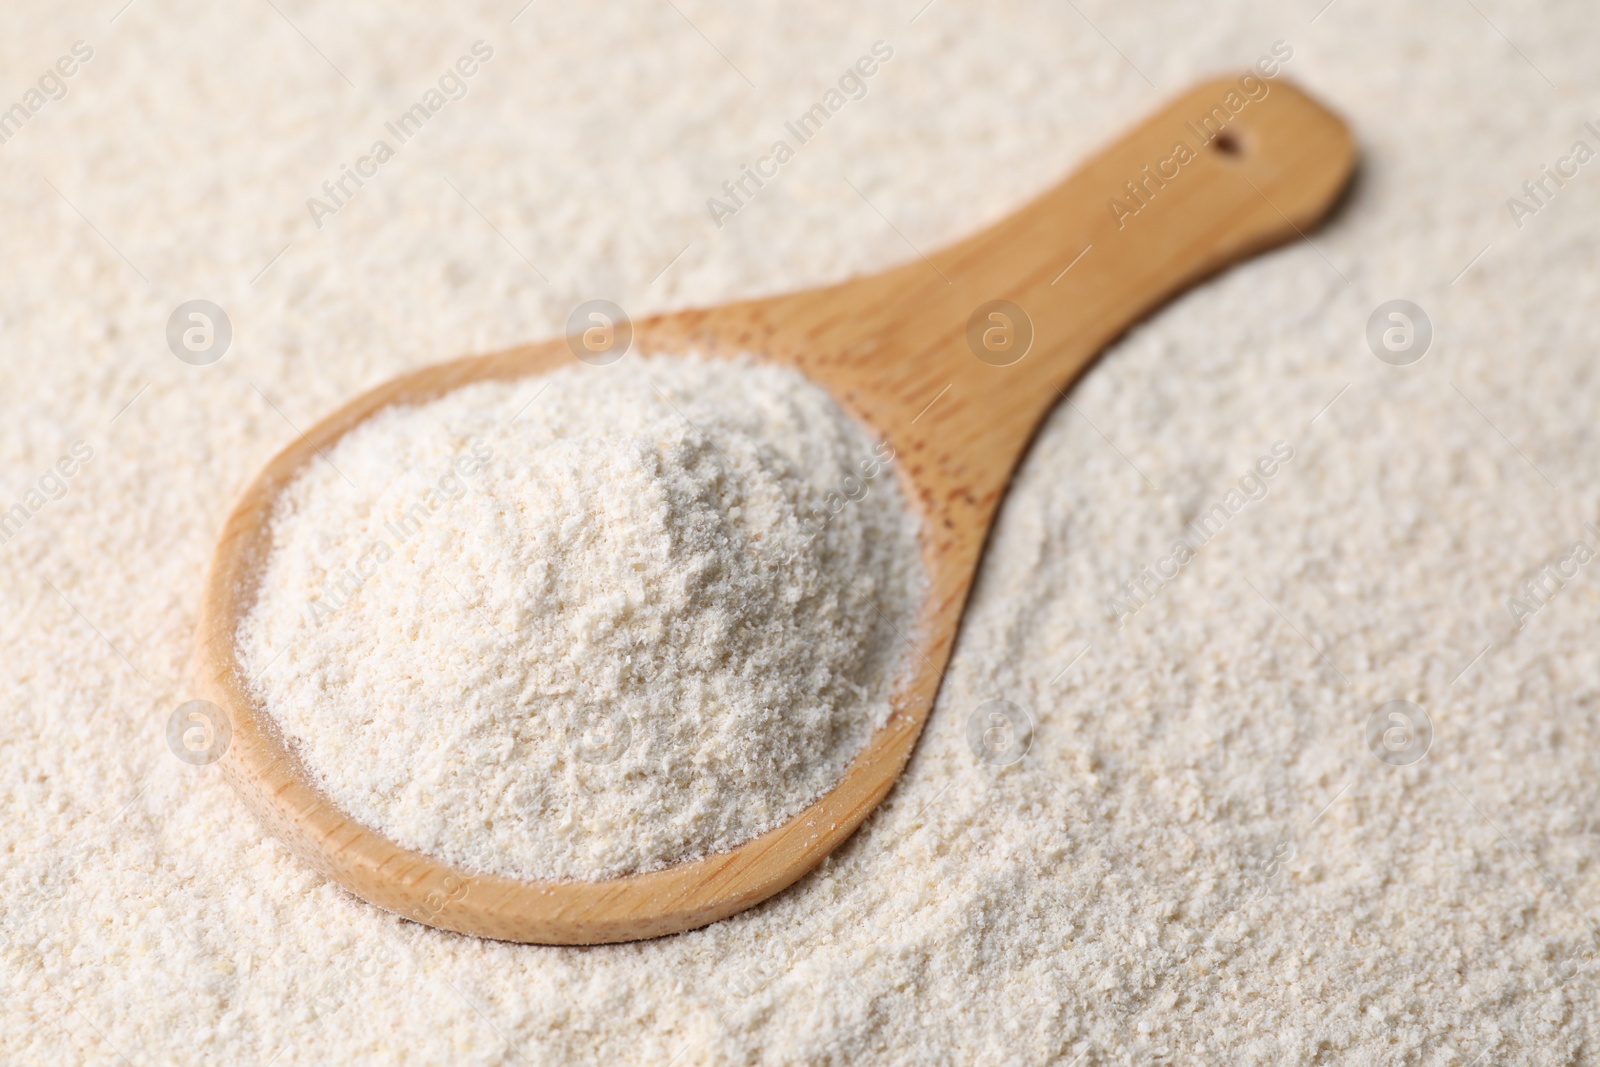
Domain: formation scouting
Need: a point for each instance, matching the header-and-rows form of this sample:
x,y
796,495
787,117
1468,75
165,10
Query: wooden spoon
x,y
923,355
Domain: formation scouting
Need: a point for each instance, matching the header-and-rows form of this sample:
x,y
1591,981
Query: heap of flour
x,y
589,624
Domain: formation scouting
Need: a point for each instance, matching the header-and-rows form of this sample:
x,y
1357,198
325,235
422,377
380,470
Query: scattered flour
x,y
589,624
1197,862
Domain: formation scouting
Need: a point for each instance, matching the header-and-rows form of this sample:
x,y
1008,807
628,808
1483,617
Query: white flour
x,y
614,633
1157,880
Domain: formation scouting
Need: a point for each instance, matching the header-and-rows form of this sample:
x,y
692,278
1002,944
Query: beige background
x,y
1114,897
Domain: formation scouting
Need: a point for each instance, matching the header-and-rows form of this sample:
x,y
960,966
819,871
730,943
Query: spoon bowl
x,y
953,359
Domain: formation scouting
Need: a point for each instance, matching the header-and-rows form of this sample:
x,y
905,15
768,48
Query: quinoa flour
x,y
613,635
1199,860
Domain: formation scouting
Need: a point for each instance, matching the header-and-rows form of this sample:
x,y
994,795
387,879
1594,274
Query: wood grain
x,y
893,349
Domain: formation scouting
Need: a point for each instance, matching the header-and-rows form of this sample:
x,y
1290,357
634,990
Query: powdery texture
x,y
589,624
1116,897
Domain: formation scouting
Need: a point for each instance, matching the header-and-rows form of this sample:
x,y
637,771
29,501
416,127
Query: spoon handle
x,y
1229,168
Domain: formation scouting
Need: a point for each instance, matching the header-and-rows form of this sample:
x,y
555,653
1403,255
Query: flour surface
x,y
588,624
1198,861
